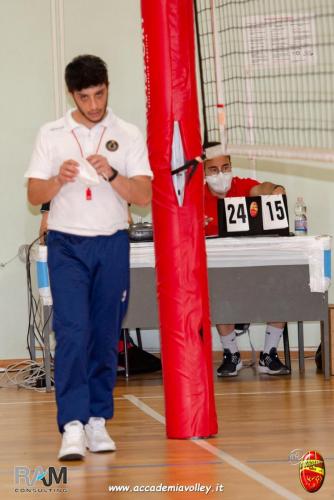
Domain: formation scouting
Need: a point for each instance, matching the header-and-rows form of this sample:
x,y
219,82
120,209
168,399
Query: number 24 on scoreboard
x,y
274,214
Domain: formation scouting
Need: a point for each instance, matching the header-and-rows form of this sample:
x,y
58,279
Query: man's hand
x,y
207,220
278,190
43,190
101,165
43,228
67,172
266,188
136,189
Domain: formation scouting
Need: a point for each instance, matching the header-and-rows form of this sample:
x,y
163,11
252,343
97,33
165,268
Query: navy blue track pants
x,y
89,280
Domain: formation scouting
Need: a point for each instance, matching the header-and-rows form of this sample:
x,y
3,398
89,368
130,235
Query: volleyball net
x,y
267,76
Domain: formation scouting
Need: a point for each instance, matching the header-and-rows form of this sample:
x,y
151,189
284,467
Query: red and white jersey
x,y
239,187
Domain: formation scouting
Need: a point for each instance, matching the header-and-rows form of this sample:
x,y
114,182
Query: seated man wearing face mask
x,y
221,183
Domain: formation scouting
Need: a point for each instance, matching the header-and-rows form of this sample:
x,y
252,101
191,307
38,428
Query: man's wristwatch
x,y
113,175
45,207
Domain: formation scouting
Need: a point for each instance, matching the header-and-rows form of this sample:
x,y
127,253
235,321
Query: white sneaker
x,y
73,446
97,437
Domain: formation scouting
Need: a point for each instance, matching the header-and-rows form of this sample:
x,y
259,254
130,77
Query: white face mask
x,y
220,183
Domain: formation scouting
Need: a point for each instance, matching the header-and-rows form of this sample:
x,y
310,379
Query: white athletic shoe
x,y
97,437
73,446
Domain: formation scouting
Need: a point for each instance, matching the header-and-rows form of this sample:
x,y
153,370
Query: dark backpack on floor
x,y
318,358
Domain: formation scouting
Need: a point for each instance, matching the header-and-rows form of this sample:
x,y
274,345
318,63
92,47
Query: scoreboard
x,y
253,215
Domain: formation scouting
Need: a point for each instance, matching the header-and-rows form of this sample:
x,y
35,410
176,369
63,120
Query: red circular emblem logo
x,y
253,209
312,471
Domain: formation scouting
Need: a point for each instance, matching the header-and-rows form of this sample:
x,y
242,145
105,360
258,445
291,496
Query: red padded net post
x,y
182,286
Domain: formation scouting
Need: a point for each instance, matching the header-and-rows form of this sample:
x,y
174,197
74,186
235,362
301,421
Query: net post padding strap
x,y
178,230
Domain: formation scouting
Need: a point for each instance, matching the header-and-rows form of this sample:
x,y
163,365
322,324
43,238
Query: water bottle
x,y
300,218
43,276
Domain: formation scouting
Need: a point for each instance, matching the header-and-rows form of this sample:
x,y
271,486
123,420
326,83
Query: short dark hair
x,y
85,71
210,144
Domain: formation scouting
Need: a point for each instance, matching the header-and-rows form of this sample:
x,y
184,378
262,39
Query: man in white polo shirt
x,y
90,164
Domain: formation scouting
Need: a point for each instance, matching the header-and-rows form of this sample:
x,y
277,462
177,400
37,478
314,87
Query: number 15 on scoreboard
x,y
274,214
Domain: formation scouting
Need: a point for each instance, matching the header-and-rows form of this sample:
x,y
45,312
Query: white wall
x,y
27,101
108,28
112,30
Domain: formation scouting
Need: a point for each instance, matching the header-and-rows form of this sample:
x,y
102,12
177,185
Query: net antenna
x,y
267,76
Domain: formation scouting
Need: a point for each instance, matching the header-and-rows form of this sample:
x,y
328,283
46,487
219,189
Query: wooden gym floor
x,y
261,421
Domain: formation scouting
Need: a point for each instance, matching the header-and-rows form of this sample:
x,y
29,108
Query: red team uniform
x,y
239,187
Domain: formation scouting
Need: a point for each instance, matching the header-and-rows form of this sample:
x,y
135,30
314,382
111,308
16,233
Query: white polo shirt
x,y
70,211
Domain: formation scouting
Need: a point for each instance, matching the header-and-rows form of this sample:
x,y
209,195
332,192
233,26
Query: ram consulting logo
x,y
39,480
